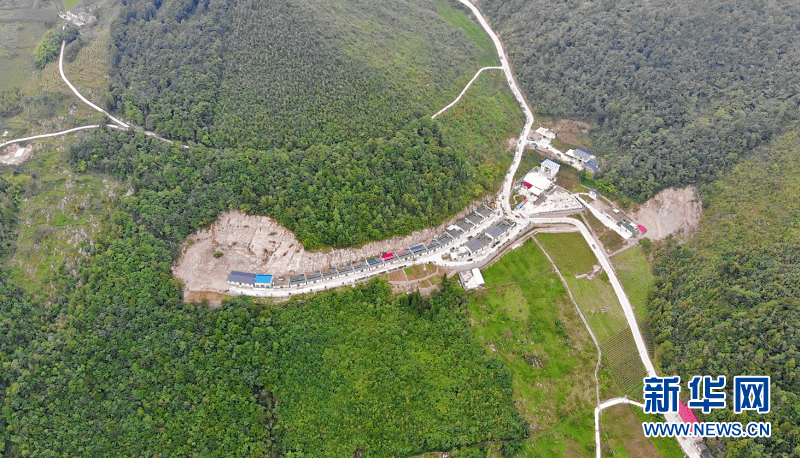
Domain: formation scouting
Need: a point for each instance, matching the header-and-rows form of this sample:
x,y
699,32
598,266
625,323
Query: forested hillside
x,y
679,91
284,74
726,302
314,114
18,318
336,195
120,366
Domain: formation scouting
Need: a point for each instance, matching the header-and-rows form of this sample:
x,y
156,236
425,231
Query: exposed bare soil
x,y
511,143
14,154
259,244
670,211
214,299
422,278
570,132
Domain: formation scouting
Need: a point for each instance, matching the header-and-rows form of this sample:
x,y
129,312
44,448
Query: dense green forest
x,y
316,115
726,302
338,195
120,363
17,316
678,91
243,73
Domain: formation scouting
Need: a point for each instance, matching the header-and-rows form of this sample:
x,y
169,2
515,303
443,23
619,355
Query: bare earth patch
x,y
259,244
214,299
571,132
670,211
511,143
14,154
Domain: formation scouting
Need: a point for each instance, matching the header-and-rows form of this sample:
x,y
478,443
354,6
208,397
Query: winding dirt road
x,y
465,90
56,134
75,91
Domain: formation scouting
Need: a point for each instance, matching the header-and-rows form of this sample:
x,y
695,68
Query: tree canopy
x,y
678,92
725,302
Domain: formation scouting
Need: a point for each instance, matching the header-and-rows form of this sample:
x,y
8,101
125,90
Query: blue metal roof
x,y
261,278
550,164
474,245
583,155
592,165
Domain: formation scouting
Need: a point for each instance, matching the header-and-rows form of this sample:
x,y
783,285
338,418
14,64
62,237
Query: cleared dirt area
x,y
259,244
214,299
570,132
670,211
422,278
14,154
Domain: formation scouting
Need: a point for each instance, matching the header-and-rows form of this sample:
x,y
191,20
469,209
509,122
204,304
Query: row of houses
x,y
489,237
453,232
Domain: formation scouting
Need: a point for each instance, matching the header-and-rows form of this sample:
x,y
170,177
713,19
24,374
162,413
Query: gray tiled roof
x,y
474,245
241,277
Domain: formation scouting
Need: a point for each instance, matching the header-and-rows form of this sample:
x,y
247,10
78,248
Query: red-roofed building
x,y
642,229
686,413
387,256
526,184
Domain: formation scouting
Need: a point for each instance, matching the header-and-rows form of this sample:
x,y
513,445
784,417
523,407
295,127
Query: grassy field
x,y
17,42
69,4
634,272
622,371
533,328
457,17
600,306
622,435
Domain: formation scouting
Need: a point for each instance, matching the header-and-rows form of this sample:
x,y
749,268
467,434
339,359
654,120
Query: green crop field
x,y
600,306
533,328
569,251
621,356
637,279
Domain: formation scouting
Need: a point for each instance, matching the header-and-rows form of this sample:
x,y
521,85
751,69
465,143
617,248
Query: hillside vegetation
x,y
284,74
678,91
726,302
119,365
314,114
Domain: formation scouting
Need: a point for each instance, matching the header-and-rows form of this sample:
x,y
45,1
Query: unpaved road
x,y
75,91
465,90
56,134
